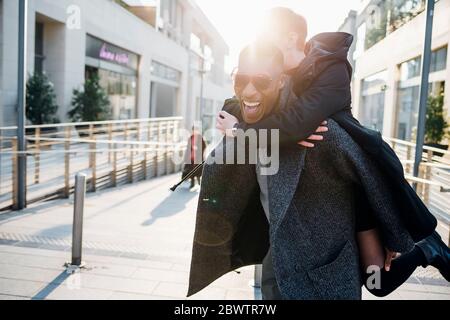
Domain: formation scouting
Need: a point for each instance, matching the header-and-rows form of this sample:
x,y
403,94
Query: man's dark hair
x,y
284,20
262,50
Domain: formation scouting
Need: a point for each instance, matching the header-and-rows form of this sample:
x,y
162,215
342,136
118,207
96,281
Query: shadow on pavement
x,y
174,203
52,286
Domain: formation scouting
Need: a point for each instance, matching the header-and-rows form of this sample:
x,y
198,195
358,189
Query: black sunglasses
x,y
261,82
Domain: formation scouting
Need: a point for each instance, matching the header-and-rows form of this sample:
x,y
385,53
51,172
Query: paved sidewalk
x,y
137,245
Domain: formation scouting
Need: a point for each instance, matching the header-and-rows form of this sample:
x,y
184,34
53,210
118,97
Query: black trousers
x,y
269,285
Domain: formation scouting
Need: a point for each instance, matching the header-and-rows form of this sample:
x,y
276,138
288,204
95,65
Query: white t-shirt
x,y
264,194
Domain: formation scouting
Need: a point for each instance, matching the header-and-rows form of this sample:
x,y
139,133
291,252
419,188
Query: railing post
x,y
109,138
408,157
91,137
130,167
78,211
166,148
158,137
138,134
91,131
15,186
149,124
125,135
420,185
144,169
93,151
37,155
67,163
428,169
114,171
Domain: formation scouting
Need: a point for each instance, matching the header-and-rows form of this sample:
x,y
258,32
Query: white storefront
x,y
146,69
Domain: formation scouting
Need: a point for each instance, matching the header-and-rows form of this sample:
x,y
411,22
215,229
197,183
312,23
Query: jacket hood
x,y
330,43
321,52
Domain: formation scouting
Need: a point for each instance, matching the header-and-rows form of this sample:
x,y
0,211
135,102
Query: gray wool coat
x,y
312,218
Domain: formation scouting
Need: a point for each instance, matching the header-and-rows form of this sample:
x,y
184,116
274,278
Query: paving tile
x,y
169,289
438,289
64,292
241,295
94,281
19,287
31,251
210,293
131,296
11,271
110,269
161,275
10,297
181,267
121,261
35,260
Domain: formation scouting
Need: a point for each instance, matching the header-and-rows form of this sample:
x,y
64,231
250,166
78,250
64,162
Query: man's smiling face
x,y
257,83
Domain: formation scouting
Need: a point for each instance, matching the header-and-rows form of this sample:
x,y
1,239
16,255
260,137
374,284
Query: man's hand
x,y
225,122
390,255
315,137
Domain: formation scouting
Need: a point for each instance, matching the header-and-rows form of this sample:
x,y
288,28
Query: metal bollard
x,y
78,209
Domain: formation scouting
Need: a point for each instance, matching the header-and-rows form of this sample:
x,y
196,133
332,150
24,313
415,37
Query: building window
x,y
163,100
409,92
39,48
410,69
164,90
439,60
407,107
165,72
372,104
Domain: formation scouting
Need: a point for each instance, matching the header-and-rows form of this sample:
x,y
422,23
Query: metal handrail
x,y
412,144
132,150
75,124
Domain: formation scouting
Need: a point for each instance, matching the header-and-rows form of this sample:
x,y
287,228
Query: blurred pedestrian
x,y
194,156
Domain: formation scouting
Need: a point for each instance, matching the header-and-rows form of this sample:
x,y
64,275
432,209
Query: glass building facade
x,y
408,91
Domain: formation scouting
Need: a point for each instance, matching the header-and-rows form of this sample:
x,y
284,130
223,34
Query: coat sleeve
x,y
328,94
353,164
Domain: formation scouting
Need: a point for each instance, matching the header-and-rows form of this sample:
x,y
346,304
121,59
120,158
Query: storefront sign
x,y
98,49
121,58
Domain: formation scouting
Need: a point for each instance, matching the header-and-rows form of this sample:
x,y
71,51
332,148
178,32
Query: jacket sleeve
x,y
354,165
328,94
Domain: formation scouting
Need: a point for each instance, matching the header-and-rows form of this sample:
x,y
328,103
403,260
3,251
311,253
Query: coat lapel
x,y
282,186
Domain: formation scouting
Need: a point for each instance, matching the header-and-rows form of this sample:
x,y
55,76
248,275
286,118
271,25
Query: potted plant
x,y
436,125
91,103
41,107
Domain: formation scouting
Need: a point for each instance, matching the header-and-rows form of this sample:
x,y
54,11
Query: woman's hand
x,y
390,255
225,122
315,137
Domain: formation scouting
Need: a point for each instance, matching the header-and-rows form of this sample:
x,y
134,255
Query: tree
x,y
435,125
91,103
41,104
